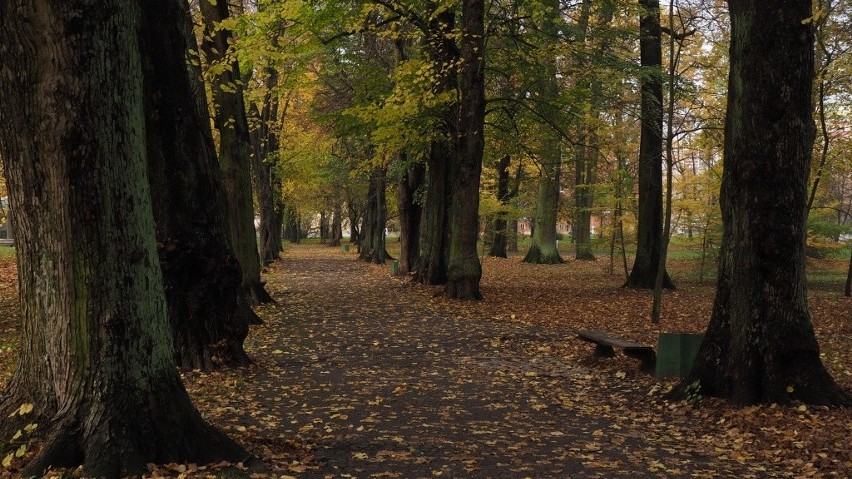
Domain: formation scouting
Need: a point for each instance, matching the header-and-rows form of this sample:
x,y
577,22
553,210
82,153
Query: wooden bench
x,y
7,242
605,344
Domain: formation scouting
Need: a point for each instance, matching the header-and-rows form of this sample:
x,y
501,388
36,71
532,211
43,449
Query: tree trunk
x,y
543,248
435,230
848,289
96,357
585,166
208,310
337,220
498,241
760,345
230,121
650,227
264,142
410,217
464,270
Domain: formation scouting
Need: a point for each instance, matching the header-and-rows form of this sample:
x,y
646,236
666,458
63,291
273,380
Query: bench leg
x,y
604,351
648,358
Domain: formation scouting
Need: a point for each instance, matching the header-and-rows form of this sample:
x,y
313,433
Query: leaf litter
x,y
360,374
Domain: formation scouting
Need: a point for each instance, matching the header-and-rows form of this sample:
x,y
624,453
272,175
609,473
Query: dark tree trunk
x,y
230,121
848,289
323,227
96,357
650,227
410,215
264,142
373,244
435,231
337,220
760,345
498,241
208,310
291,222
354,218
464,270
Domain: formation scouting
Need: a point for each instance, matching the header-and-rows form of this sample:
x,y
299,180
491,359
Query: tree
x,y
232,125
760,345
208,310
96,360
463,270
543,246
650,229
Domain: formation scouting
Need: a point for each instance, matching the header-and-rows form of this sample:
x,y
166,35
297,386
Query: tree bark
x,y
373,245
435,231
208,310
498,241
650,227
96,357
760,345
230,121
410,217
464,270
543,248
264,142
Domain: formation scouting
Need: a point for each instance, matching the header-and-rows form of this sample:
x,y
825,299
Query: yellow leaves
x,y
7,461
25,409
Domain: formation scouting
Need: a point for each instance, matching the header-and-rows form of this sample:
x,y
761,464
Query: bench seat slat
x,y
600,338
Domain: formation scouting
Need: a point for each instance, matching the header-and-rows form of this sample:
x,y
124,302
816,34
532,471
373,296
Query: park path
x,y
372,377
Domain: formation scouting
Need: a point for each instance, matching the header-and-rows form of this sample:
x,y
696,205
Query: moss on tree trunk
x,y
96,355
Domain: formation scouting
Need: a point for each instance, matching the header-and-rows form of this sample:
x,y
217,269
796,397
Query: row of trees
x,y
588,81
134,218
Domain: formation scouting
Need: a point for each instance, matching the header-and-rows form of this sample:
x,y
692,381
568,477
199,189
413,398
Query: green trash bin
x,y
394,267
344,248
676,352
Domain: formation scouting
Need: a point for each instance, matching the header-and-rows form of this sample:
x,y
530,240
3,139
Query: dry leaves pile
x,y
361,374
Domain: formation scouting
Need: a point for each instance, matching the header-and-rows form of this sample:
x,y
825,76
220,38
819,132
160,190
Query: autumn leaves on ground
x,y
360,374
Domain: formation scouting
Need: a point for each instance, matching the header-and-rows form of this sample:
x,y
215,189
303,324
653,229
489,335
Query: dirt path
x,y
358,374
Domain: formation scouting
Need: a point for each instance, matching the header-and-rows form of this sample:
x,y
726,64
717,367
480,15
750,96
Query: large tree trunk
x,y
208,309
435,231
464,270
96,357
760,345
410,216
231,123
848,290
650,227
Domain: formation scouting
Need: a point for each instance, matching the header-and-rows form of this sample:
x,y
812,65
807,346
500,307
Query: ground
x,y
361,374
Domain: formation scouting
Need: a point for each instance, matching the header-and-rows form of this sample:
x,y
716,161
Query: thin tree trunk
x,y
230,121
650,228
760,345
264,142
498,241
96,358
